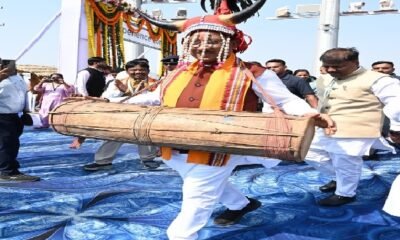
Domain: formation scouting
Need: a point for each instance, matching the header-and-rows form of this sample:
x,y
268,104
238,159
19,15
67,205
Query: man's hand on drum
x,y
324,121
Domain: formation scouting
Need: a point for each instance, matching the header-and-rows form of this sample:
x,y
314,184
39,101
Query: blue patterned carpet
x,y
129,202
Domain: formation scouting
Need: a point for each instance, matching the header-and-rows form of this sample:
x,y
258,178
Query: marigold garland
x,y
120,43
90,26
98,42
114,43
105,48
135,25
106,35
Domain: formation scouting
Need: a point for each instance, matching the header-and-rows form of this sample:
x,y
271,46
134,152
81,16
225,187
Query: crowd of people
x,y
345,95
338,154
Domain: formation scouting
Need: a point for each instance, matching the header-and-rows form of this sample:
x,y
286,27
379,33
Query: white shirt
x,y
80,82
12,94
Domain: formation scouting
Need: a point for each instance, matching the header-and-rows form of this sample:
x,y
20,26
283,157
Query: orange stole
x,y
229,80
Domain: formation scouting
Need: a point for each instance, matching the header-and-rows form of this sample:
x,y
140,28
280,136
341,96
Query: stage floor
x,y
128,202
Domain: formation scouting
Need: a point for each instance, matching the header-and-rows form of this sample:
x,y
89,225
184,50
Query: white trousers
x,y
107,151
392,204
343,168
203,187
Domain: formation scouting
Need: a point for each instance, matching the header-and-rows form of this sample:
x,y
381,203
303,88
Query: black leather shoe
x,y
336,200
151,165
329,187
229,217
96,167
20,177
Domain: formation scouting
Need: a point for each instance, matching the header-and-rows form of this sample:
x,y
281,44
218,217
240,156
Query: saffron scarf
x,y
225,90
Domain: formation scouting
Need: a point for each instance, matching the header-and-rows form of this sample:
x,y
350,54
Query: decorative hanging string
x,y
120,43
98,42
279,124
135,25
114,44
106,32
90,26
105,45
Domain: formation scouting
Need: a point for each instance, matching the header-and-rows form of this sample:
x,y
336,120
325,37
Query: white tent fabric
x,y
73,39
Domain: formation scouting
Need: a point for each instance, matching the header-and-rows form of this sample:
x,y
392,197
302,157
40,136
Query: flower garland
x,y
120,44
135,25
108,14
167,48
113,40
90,26
105,45
102,18
105,19
120,4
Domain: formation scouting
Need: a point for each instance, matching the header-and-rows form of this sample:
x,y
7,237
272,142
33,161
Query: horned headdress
x,y
227,13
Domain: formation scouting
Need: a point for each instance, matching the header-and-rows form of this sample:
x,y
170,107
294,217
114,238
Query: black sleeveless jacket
x,y
96,82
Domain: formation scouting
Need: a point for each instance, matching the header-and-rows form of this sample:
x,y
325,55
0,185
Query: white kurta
x,y
203,185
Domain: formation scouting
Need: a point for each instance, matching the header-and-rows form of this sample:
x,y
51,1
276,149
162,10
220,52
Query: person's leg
x,y
10,130
237,205
147,154
320,160
348,173
44,112
202,188
106,152
104,156
77,142
232,198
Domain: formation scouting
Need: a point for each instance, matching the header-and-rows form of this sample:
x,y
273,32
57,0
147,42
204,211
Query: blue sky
x,y
376,37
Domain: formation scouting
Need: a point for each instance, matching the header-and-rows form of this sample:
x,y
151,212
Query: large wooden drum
x,y
242,133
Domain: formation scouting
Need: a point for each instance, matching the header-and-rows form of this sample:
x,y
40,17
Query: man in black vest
x,y
90,82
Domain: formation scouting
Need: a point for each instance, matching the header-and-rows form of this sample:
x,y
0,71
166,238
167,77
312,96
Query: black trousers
x,y
11,129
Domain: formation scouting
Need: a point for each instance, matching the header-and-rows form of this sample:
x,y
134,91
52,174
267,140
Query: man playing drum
x,y
218,80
